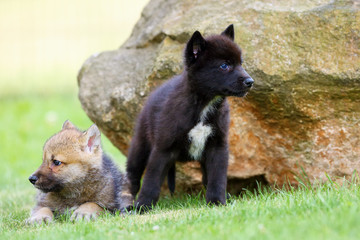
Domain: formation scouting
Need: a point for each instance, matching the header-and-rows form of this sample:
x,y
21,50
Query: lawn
x,y
38,92
327,211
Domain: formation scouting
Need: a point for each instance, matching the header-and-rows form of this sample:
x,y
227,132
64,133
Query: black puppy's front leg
x,y
216,164
156,169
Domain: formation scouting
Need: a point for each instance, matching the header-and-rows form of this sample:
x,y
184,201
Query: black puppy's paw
x,y
216,201
127,210
136,208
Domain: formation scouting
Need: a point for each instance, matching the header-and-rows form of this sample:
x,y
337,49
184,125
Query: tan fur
x,y
87,211
85,182
41,215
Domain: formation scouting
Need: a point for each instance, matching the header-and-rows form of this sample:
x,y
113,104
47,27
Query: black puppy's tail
x,y
171,179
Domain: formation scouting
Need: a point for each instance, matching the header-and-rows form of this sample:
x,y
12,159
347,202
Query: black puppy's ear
x,y
229,32
194,48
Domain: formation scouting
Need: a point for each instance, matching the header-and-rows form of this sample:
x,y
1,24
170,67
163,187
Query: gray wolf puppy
x,y
76,175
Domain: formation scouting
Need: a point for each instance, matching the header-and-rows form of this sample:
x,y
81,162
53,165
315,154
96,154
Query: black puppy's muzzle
x,y
33,179
248,82
244,78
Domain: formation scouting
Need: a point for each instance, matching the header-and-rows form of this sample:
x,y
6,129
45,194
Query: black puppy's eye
x,y
56,162
224,67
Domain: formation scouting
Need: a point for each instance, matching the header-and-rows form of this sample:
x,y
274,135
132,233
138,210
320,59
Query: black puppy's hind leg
x,y
158,166
171,179
136,163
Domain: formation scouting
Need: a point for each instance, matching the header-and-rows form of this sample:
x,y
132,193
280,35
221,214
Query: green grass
x,y
327,212
43,44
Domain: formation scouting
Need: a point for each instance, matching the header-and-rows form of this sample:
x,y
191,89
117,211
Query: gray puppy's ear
x,y
68,125
229,32
92,138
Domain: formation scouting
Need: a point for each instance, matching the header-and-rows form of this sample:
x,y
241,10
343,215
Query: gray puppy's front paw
x,y
87,211
39,219
42,215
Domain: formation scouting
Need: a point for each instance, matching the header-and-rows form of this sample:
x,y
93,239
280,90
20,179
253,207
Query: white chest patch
x,y
201,132
198,136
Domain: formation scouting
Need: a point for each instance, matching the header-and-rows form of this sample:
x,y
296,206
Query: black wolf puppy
x,y
187,118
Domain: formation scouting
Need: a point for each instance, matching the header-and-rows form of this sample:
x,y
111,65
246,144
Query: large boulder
x,y
303,114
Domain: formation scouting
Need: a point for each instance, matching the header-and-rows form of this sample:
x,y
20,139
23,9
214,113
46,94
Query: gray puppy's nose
x,y
249,82
33,179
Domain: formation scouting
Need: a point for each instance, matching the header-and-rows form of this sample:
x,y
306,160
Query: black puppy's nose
x,y
33,179
249,82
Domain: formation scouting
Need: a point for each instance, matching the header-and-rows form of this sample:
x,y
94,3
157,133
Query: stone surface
x,y
304,110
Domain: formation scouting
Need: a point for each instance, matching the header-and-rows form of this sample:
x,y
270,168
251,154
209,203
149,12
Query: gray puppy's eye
x,y
56,162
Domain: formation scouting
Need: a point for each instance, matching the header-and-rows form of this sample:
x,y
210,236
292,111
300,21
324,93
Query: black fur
x,y
171,179
212,71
